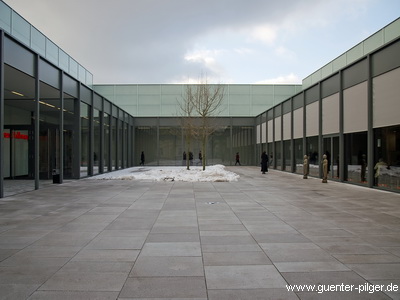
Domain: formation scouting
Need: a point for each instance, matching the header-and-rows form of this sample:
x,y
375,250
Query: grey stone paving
x,y
171,240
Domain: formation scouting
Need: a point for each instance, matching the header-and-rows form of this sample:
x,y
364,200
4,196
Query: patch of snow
x,y
216,173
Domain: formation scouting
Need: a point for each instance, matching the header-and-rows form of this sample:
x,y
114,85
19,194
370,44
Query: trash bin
x,y
56,176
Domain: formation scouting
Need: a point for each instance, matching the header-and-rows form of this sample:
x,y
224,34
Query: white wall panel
x,y
287,126
298,123
355,108
312,119
278,128
264,132
270,132
386,99
330,114
258,131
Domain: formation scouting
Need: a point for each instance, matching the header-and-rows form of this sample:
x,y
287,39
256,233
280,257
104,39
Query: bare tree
x,y
201,104
187,121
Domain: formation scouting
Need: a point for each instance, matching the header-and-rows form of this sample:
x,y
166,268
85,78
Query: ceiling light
x,y
18,94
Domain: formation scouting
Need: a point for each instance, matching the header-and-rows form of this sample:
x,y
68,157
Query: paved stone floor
x,y
100,239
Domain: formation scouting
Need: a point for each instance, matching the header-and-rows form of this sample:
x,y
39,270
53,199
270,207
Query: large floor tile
x,y
164,288
156,266
243,277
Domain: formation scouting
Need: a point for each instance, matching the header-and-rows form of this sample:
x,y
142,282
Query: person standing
x,y
237,159
142,159
200,158
264,162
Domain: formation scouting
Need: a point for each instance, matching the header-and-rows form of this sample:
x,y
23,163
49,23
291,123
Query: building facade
x,y
56,125
352,116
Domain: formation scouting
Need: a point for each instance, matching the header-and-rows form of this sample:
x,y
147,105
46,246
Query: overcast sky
x,y
230,41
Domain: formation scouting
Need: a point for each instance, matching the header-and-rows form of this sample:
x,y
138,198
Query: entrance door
x,y
331,149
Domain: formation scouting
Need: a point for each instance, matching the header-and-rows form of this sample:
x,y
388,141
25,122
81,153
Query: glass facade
x,y
64,134
351,117
160,100
58,126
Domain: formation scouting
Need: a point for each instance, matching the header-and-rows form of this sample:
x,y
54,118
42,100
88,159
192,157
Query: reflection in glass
x,y
85,139
312,152
96,145
387,157
298,155
356,157
146,141
106,158
287,157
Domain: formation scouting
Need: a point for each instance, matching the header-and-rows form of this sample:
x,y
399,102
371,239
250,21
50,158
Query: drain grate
x,y
210,203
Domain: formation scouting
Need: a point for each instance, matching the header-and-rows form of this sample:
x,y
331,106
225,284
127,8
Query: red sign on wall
x,y
16,135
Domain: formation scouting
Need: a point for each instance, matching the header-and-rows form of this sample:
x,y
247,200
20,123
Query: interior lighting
x,y
18,94
47,104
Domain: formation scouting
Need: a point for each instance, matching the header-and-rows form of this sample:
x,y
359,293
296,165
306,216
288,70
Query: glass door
x,y
331,150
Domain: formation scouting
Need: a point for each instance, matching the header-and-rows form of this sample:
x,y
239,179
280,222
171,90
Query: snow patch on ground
x,y
216,173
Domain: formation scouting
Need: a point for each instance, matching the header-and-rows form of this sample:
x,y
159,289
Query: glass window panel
x,y
339,63
313,155
85,139
239,110
239,99
73,68
392,31
356,158
38,42
287,156
5,17
239,89
89,79
63,62
69,121
387,157
51,52
146,141
354,53
149,110
149,90
170,148
106,157
326,70
172,89
262,90
21,29
96,140
149,100
374,42
81,74
218,150
114,139
298,155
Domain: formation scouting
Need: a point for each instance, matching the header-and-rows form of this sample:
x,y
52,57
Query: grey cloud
x,y
144,41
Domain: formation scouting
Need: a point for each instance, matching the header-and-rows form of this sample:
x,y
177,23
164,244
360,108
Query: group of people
x,y
184,157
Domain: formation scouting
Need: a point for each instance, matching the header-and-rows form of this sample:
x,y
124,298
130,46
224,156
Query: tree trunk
x,y
203,146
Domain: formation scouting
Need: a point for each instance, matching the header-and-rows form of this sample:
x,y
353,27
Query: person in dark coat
x,y
237,159
142,159
264,162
